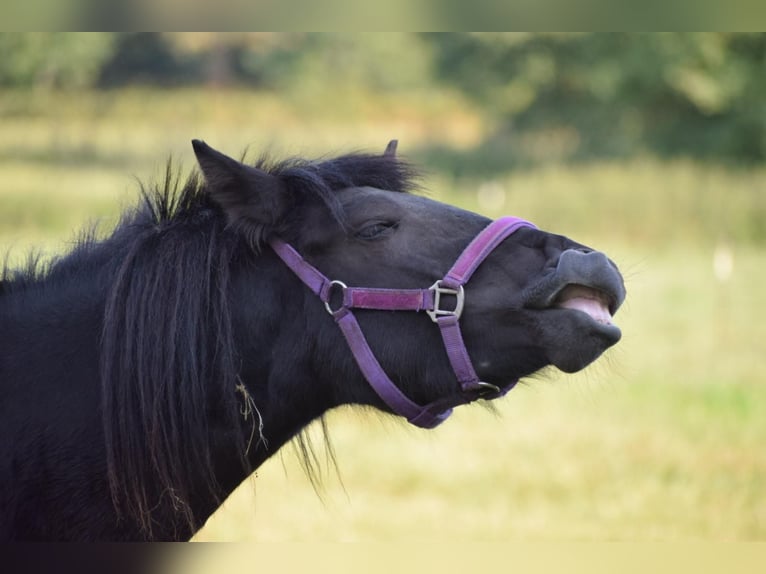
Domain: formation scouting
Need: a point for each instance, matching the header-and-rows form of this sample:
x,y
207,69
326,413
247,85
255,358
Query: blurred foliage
x,y
309,61
549,97
565,96
57,59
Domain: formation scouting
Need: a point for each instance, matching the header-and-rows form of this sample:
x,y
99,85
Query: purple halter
x,y
428,300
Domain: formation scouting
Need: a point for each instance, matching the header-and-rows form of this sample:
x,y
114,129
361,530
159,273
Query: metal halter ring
x,y
488,389
438,290
343,287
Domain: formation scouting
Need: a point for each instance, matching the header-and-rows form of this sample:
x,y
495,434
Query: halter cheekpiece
x,y
339,299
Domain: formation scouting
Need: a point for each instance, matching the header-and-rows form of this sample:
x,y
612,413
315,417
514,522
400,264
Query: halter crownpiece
x,y
429,300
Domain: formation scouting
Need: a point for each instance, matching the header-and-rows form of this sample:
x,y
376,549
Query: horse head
x,y
533,299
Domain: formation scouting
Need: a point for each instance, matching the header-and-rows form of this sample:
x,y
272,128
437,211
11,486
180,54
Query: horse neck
x,y
44,323
49,415
273,326
278,392
274,387
50,347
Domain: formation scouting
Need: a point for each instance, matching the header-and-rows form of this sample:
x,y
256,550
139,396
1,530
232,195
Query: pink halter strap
x,y
428,300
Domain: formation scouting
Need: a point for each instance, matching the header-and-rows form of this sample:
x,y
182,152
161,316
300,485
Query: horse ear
x,y
247,194
391,149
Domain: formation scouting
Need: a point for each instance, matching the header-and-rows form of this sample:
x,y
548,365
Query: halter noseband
x,y
428,300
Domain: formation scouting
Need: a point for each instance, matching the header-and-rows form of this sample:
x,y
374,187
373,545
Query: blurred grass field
x,y
662,439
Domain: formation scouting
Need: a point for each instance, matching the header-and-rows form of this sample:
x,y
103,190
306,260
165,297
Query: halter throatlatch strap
x,y
428,300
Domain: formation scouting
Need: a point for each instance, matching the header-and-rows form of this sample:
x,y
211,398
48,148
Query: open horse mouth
x,y
592,302
575,304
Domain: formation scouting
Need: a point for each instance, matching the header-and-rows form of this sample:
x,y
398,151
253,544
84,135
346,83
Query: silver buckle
x,y
438,292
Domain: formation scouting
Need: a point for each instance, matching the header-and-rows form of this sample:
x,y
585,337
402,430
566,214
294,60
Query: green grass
x,y
661,439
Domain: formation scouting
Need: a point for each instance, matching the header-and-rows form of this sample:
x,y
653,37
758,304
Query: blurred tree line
x,y
548,96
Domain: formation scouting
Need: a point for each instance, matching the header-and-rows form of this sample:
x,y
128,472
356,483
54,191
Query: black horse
x,y
145,375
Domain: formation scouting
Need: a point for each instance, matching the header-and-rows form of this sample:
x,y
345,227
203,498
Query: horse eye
x,y
377,230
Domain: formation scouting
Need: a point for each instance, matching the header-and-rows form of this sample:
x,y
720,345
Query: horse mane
x,y
169,365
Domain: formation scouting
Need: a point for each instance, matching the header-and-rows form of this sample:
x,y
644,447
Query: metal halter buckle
x,y
343,288
438,290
